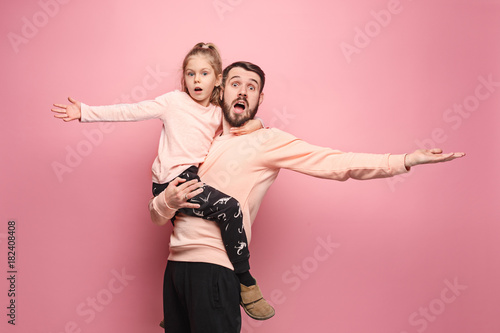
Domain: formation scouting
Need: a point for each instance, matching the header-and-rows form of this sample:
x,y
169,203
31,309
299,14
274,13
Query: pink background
x,y
411,254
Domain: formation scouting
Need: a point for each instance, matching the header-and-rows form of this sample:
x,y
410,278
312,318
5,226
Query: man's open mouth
x,y
239,107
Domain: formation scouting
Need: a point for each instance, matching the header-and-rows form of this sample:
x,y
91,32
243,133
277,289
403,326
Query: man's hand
x,y
176,196
425,156
68,112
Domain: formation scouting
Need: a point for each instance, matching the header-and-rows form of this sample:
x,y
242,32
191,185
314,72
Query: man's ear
x,y
261,98
221,94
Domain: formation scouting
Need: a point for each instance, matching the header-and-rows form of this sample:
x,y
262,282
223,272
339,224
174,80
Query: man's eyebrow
x,y
254,80
238,77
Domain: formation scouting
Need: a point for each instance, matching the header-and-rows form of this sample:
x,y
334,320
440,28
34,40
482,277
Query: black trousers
x,y
225,211
200,298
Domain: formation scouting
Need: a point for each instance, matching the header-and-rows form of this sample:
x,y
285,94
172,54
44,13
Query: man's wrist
x,y
408,164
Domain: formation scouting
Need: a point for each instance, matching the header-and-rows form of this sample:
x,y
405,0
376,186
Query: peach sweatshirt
x,y
187,133
244,167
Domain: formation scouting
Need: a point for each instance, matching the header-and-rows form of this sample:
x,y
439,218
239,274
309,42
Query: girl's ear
x,y
218,81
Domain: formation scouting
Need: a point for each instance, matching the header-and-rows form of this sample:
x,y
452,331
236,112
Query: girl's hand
x,y
68,112
250,126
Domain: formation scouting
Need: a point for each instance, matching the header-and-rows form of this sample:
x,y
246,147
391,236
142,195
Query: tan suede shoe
x,y
254,303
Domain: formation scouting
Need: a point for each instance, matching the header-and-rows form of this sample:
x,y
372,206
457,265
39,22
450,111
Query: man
x,y
201,293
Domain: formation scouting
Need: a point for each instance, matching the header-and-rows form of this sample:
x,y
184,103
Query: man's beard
x,y
237,120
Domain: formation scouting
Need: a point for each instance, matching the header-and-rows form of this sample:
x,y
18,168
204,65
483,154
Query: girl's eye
x,y
190,74
205,74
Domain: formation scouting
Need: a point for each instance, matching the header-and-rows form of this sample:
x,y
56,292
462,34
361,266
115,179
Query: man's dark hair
x,y
246,66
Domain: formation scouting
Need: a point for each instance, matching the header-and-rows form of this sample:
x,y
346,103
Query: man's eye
x,y
252,88
234,84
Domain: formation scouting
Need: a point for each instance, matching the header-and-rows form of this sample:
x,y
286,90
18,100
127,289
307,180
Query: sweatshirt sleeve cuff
x,y
397,164
160,206
85,109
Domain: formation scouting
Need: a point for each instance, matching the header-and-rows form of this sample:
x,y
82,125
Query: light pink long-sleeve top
x,y
188,129
244,167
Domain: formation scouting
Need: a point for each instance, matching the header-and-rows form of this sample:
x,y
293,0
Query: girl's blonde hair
x,y
210,51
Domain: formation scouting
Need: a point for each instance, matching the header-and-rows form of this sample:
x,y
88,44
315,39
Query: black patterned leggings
x,y
222,209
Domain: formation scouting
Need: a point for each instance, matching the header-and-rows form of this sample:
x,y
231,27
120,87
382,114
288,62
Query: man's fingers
x,y
194,193
190,205
453,156
189,194
448,157
436,151
187,184
177,181
194,186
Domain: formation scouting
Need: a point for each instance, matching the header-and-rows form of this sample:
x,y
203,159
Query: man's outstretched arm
x,y
283,150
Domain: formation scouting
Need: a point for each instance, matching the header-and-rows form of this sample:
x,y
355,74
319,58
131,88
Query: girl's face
x,y
200,79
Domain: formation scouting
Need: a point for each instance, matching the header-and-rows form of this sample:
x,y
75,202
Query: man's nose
x,y
242,91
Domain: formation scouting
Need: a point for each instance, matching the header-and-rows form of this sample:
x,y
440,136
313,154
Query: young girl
x,y
191,119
